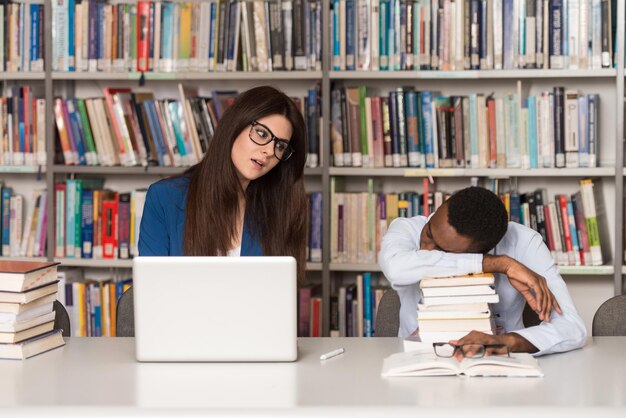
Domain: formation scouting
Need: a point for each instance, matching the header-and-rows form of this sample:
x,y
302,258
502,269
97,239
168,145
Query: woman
x,y
246,197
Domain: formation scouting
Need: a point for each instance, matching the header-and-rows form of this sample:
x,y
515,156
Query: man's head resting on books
x,y
472,220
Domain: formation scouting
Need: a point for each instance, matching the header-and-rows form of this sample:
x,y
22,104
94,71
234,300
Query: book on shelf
x,y
19,276
32,346
353,308
471,35
595,220
314,240
133,128
91,303
427,130
359,220
186,36
92,222
310,310
427,363
23,230
564,222
22,39
22,126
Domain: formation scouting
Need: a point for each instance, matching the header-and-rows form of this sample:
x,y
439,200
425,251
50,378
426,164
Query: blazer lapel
x,y
250,246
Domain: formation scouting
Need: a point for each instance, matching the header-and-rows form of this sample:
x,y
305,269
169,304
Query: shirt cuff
x,y
541,344
470,263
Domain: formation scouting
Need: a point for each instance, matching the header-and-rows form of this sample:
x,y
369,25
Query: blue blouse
x,y
163,221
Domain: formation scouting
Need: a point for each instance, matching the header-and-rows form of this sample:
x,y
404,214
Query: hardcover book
x,y
426,363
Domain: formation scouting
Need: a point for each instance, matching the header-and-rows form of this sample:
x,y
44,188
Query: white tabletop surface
x,y
100,376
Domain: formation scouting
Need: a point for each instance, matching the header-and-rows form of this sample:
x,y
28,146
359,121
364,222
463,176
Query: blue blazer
x,y
163,221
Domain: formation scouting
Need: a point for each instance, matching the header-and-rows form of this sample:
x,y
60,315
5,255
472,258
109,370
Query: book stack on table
x,y
453,306
27,294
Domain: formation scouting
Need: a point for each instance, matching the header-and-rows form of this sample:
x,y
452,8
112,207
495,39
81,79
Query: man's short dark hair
x,y
477,213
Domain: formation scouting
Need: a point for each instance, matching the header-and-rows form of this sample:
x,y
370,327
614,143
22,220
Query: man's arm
x,y
515,343
405,264
565,331
530,285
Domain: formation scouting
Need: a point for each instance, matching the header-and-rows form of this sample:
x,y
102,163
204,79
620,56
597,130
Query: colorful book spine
x,y
591,221
6,220
70,218
315,232
71,47
367,305
427,117
532,132
87,224
124,221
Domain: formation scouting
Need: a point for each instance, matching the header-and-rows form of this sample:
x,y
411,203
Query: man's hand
x,y
514,342
529,284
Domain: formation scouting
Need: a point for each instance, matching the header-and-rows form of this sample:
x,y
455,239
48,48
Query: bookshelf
x,y
609,82
125,264
192,76
472,172
471,74
21,169
150,170
18,76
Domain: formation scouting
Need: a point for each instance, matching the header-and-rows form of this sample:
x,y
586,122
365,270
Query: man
x,y
470,233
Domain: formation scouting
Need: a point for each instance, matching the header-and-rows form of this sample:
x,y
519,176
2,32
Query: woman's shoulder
x,y
173,186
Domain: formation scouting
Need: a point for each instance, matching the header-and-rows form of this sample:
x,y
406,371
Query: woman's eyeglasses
x,y
262,135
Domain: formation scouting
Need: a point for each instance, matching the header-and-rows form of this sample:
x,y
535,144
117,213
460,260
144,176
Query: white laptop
x,y
215,308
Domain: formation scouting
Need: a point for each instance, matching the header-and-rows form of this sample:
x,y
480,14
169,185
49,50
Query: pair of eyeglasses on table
x,y
447,350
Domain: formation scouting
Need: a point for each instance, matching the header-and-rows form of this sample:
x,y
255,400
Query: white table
x,y
99,376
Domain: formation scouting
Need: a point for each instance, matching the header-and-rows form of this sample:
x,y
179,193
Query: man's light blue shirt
x,y
404,265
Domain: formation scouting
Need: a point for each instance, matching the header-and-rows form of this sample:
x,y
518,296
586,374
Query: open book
x,y
425,363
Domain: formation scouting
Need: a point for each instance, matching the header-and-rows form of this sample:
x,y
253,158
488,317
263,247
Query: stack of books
x,y
27,293
453,306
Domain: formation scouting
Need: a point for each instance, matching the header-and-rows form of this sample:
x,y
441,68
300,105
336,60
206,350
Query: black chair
x,y
125,315
610,318
61,318
388,315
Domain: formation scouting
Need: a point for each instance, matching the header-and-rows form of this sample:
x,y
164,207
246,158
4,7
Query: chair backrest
x,y
125,315
388,315
61,318
610,318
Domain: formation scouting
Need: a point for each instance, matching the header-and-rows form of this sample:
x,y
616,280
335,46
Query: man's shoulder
x,y
412,222
517,234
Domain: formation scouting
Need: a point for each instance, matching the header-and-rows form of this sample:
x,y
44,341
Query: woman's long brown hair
x,y
276,203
